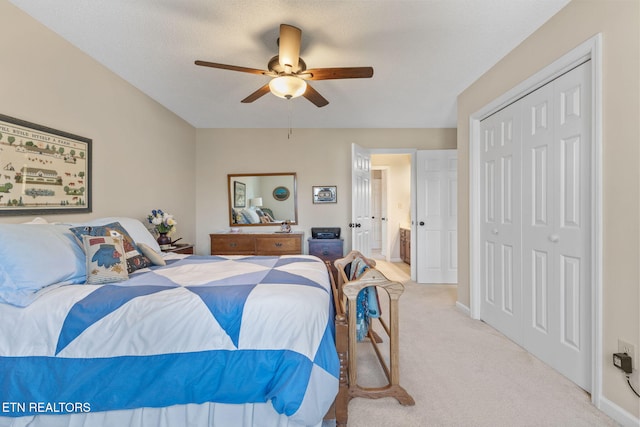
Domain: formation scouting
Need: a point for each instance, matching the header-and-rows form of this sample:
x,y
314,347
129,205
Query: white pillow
x,y
34,256
37,220
154,256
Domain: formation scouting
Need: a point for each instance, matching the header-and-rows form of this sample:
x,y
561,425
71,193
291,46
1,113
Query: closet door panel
x,y
556,225
500,232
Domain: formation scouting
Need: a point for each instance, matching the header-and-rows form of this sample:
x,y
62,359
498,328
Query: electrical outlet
x,y
630,349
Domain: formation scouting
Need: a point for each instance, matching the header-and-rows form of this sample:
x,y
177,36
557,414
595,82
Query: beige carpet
x,y
461,372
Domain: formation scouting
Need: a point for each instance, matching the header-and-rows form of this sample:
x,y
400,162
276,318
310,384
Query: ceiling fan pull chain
x,y
290,112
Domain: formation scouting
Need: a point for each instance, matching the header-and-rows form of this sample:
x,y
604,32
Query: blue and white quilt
x,y
200,329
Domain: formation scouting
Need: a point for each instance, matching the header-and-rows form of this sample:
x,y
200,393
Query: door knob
x,y
554,238
421,223
494,231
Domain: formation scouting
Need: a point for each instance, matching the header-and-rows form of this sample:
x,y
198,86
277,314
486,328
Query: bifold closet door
x,y
501,283
556,221
536,225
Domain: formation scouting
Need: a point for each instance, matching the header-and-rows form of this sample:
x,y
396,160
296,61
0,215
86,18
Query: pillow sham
x,y
269,213
253,216
35,256
153,256
136,229
106,262
135,260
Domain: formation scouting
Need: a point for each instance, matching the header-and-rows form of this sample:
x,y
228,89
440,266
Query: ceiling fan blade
x,y
338,73
231,67
312,95
289,46
257,94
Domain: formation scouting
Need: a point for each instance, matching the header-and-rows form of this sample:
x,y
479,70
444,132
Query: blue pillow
x,y
35,256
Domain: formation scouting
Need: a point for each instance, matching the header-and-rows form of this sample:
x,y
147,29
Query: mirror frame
x,y
293,194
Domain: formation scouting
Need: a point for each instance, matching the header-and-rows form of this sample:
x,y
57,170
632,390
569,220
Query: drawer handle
x,y
278,244
233,244
325,252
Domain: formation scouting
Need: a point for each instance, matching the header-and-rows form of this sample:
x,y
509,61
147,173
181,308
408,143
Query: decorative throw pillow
x,y
135,260
154,256
106,261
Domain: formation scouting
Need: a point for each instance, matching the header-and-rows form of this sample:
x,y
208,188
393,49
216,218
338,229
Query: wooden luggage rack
x,y
345,301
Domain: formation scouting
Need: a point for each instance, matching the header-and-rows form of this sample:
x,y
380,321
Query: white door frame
x,y
592,49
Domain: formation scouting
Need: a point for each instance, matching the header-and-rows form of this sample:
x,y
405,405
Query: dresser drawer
x,y
279,245
325,249
232,245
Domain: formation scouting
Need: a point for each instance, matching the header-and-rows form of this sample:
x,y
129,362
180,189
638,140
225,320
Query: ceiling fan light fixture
x,y
287,87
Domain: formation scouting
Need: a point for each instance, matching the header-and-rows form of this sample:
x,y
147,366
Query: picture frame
x,y
281,193
239,194
43,170
325,194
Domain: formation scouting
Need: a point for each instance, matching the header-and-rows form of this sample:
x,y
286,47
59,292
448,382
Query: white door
x,y
556,224
501,285
384,232
436,216
376,213
360,200
535,230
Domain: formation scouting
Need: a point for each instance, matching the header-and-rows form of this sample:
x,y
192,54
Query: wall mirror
x,y
259,199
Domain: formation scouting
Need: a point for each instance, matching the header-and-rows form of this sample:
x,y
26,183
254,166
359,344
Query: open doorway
x,y
391,193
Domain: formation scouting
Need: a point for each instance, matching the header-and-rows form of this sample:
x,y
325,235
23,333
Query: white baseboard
x,y
463,308
618,414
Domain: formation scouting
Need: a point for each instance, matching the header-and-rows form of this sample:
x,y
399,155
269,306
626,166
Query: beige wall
x,y
619,23
318,156
143,155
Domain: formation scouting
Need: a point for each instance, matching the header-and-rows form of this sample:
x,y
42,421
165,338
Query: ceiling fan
x,y
290,73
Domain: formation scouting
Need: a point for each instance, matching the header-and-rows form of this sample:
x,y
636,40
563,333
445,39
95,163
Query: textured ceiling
x,y
424,53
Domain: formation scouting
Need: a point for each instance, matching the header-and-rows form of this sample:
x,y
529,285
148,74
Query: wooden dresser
x,y
256,243
405,244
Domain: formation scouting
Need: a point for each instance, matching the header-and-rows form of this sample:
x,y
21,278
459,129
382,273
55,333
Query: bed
x,y
177,340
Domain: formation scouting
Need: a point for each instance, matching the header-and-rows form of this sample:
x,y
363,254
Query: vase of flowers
x,y
164,224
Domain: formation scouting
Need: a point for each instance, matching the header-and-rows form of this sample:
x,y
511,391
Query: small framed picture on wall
x,y
325,194
239,194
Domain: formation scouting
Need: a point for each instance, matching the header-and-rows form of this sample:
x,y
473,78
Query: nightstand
x,y
185,249
327,250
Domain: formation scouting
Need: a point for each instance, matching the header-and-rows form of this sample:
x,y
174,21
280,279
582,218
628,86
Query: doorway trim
x,y
590,49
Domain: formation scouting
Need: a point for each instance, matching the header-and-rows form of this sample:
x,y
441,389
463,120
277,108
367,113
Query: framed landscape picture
x,y
43,170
